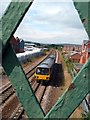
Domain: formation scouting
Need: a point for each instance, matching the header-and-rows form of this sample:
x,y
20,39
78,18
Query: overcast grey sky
x,y
51,22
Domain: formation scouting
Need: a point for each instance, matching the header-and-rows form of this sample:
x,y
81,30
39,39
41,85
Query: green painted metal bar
x,y
73,96
10,21
83,9
21,85
12,18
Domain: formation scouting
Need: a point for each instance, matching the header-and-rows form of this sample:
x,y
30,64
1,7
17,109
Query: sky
x,y
53,22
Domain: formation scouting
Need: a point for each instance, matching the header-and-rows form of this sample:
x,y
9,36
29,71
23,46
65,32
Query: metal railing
x,y
73,95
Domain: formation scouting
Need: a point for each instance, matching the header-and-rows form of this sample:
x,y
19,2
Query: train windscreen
x,y
42,71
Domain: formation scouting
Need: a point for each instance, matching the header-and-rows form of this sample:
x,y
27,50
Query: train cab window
x,y
42,71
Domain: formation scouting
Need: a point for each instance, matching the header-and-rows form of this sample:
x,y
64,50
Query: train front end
x,y
42,73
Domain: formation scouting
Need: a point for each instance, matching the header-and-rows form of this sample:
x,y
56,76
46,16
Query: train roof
x,y
43,66
48,62
52,56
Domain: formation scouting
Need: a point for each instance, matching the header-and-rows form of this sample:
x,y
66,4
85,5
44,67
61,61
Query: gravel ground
x,y
9,107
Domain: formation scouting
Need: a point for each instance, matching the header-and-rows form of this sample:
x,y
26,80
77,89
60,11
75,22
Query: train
x,y
29,55
44,70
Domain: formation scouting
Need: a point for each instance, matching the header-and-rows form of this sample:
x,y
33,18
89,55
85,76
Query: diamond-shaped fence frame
x,y
71,98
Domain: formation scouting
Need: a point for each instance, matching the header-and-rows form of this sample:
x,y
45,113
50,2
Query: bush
x,y
69,65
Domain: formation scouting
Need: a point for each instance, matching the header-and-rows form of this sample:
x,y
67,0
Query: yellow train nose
x,y
42,77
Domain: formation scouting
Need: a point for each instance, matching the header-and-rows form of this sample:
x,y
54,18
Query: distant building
x,y
85,53
30,44
75,57
17,44
70,47
21,45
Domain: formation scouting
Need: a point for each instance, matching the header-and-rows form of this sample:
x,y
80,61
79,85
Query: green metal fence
x,y
71,98
83,9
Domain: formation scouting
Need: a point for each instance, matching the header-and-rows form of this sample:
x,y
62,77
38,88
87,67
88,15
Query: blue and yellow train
x,y
44,70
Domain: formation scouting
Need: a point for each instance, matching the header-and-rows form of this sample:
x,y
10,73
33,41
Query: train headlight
x,y
36,77
47,78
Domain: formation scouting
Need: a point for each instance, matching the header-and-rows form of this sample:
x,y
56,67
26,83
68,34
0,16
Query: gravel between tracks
x,y
11,104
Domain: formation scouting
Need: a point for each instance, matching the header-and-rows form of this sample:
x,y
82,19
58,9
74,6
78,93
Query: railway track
x,y
39,91
8,91
29,71
17,113
46,95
